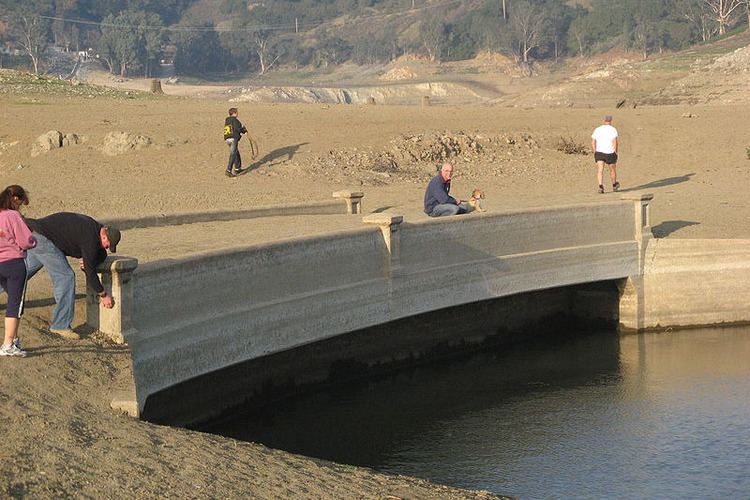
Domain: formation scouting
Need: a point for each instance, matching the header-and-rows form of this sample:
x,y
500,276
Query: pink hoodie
x,y
15,236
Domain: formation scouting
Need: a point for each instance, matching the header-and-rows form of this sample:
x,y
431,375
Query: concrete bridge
x,y
186,319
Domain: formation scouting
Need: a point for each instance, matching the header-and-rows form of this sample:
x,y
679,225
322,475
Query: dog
x,y
475,202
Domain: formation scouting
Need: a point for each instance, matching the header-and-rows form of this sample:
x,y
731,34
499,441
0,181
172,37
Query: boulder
x,y
116,143
46,142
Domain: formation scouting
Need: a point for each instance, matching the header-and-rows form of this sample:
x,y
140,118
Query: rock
x,y
71,138
116,143
47,142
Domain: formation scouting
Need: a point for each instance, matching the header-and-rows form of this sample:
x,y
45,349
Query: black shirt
x,y
236,129
76,235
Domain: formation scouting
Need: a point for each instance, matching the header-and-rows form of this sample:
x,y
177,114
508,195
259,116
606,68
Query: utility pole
x,y
505,16
296,26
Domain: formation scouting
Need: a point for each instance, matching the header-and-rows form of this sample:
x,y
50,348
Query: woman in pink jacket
x,y
15,239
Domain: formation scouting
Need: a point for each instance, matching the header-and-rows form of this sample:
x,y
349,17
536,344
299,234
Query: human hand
x,y
107,301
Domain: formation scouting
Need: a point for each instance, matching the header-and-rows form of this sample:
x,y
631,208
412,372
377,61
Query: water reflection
x,y
657,415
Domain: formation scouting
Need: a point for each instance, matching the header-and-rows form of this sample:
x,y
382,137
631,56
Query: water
x,y
601,416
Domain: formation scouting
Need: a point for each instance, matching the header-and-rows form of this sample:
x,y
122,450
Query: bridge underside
x,y
428,337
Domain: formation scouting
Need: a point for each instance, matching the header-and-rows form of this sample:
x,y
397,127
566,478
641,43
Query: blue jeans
x,y
235,158
449,209
46,254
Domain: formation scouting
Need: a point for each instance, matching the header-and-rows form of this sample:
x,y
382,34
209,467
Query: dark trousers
x,y
13,281
235,159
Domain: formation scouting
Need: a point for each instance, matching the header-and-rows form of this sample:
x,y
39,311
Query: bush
x,y
570,147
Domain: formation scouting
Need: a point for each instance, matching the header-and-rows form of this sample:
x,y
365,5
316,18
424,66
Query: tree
x,y
433,34
29,30
198,50
697,14
723,12
130,41
528,25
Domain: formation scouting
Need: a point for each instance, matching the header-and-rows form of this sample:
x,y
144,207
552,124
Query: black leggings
x,y
13,281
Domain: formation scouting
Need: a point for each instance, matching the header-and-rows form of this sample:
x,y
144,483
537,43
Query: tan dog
x,y
475,202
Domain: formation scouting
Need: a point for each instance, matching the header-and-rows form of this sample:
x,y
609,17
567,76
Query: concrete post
x,y
353,200
116,274
642,222
632,297
389,225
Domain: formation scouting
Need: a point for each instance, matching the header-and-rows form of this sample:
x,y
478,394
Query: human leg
x,y
600,172
63,280
613,176
463,208
444,209
238,160
232,154
13,279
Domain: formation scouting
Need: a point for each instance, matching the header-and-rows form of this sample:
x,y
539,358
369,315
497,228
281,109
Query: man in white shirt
x,y
605,144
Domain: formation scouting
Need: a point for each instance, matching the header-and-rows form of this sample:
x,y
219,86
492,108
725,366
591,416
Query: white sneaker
x,y
12,350
17,342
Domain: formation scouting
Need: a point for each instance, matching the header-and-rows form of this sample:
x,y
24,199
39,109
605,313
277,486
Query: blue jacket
x,y
437,194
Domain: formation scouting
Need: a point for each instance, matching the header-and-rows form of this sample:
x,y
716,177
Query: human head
x,y
109,237
13,197
446,171
608,119
233,111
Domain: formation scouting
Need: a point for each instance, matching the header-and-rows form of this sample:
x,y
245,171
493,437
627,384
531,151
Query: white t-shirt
x,y
605,136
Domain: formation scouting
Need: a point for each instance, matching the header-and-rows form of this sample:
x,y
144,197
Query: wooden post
x,y
156,86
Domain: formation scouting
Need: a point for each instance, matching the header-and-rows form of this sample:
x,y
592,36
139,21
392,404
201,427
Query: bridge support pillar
x,y
116,274
632,308
353,200
389,225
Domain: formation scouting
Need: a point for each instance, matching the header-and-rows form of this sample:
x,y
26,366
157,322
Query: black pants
x,y
13,281
235,159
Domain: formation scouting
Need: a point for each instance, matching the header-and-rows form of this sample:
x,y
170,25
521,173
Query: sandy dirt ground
x,y
60,439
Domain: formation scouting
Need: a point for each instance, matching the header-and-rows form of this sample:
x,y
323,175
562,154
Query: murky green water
x,y
601,416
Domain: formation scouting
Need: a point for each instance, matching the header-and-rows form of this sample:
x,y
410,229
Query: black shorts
x,y
608,158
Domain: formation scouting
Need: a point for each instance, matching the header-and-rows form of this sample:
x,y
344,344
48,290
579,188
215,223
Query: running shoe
x,y
12,350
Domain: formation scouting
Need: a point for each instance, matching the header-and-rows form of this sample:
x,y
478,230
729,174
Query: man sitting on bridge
x,y
437,200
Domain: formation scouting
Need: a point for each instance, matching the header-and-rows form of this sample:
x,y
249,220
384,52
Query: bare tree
x,y
528,24
263,41
723,12
433,35
31,33
697,13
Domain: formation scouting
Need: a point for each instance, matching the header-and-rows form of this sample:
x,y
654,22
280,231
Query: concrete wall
x,y
199,314
691,283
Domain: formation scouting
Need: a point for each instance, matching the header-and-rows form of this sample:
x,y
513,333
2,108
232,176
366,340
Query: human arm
x,y
89,262
616,144
21,232
438,191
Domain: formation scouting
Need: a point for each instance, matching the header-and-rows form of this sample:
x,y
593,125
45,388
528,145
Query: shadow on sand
x,y
669,181
276,154
668,227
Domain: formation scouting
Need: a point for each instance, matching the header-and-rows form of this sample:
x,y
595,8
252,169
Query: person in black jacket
x,y
73,235
233,131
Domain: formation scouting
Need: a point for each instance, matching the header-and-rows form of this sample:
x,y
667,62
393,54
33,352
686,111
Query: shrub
x,y
570,147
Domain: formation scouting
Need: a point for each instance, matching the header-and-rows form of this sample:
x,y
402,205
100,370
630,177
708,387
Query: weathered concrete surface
x,y
690,283
344,202
202,313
